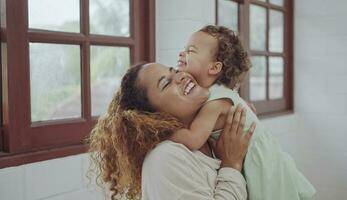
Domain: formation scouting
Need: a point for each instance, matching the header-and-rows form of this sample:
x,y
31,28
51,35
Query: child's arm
x,y
202,126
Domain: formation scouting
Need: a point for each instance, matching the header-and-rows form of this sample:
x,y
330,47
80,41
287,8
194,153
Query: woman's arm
x,y
202,126
173,174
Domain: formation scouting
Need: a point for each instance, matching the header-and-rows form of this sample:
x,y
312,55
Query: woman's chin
x,y
199,94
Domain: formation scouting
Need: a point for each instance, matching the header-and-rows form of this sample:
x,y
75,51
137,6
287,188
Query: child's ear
x,y
215,68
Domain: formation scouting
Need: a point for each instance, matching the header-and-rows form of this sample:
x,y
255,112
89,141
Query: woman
x,y
149,107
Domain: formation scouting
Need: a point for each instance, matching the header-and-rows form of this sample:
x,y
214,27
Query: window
x,y
2,54
64,61
266,28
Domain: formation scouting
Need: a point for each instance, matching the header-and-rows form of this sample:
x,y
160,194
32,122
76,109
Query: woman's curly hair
x,y
122,137
231,53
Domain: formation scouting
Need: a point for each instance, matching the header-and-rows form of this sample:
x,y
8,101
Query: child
x,y
215,57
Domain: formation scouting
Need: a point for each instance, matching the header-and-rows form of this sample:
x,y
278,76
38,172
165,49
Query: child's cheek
x,y
184,69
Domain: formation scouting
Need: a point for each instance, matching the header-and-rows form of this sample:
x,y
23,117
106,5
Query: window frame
x,y
2,40
26,142
269,107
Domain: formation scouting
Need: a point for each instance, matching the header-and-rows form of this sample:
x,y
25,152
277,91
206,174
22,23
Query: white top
x,y
172,172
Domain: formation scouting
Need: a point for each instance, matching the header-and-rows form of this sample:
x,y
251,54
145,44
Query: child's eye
x,y
189,50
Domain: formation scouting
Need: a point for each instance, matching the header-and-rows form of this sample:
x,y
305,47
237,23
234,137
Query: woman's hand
x,y
252,106
231,147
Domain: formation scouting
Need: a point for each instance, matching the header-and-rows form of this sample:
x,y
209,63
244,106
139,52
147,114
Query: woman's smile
x,y
178,93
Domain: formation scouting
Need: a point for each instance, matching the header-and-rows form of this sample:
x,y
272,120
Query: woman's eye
x,y
166,84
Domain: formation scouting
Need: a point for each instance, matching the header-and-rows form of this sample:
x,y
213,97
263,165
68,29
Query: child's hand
x,y
232,144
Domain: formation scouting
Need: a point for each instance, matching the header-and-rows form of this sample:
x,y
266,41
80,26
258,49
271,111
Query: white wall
x,y
321,93
57,179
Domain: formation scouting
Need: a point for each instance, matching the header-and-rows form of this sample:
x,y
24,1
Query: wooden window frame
x,y
270,107
26,142
2,40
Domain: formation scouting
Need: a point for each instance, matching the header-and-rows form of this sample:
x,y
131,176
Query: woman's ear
x,y
215,68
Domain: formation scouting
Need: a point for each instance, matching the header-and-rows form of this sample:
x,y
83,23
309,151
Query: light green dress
x,y
270,173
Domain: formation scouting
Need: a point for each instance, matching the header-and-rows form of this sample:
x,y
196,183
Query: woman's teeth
x,y
189,87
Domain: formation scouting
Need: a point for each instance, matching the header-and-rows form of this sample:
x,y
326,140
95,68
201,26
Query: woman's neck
x,y
205,149
187,120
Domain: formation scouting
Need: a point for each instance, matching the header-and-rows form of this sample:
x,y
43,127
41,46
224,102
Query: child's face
x,y
198,55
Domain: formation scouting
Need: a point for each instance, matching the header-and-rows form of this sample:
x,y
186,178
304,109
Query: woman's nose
x,y
181,54
179,77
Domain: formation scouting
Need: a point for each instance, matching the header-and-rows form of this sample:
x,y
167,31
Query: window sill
x,y
11,160
275,114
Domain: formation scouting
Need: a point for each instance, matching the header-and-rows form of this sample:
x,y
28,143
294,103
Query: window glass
x,y
3,54
107,67
62,15
2,13
3,63
257,84
55,81
108,17
276,77
257,28
228,14
276,31
277,2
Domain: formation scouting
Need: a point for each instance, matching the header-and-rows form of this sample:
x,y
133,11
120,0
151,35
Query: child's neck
x,y
208,81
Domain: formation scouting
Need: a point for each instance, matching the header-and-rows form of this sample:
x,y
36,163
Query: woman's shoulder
x,y
167,151
167,161
171,164
170,156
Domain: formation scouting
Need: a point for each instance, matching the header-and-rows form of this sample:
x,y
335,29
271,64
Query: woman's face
x,y
176,93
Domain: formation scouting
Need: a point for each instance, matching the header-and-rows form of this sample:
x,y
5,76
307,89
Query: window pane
x,y
55,81
257,27
108,65
108,17
277,2
3,64
276,31
276,77
258,78
228,14
62,15
3,55
2,13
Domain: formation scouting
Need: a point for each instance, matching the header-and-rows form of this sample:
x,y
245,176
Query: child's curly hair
x,y
120,139
231,53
